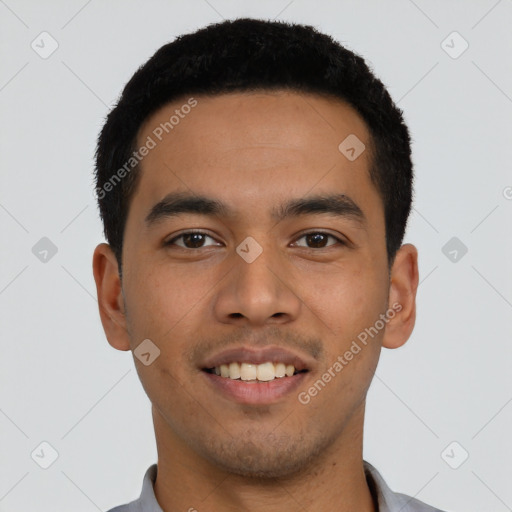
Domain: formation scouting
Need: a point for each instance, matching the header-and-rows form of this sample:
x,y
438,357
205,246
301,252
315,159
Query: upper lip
x,y
254,355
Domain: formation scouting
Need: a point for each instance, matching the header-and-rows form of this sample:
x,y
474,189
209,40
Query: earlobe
x,y
110,297
402,297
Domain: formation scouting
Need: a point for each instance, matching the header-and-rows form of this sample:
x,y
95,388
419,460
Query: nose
x,y
258,292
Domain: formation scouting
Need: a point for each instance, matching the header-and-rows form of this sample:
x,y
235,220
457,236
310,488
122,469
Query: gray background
x,y
60,380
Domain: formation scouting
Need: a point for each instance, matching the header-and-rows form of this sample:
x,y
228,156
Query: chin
x,y
276,458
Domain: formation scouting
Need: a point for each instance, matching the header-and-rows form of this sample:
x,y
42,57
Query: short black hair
x,y
246,55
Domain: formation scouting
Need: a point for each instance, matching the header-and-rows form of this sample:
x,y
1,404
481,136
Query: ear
x,y
402,297
110,297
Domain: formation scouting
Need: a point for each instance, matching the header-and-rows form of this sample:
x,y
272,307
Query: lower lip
x,y
245,392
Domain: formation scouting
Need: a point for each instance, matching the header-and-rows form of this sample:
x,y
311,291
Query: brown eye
x,y
318,240
191,240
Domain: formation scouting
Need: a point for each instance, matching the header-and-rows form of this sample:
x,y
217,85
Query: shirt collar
x,y
147,498
389,501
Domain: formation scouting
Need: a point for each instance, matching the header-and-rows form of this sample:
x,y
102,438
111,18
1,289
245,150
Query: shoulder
x,y
134,506
408,504
388,500
147,501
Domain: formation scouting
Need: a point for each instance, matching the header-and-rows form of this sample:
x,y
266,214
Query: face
x,y
257,282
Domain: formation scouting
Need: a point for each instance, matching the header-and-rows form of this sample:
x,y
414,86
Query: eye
x,y
191,240
318,239
196,239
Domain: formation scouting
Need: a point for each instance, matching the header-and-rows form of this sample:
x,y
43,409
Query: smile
x,y
254,372
256,375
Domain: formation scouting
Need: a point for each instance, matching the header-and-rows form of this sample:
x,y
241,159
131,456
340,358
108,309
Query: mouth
x,y
250,376
249,372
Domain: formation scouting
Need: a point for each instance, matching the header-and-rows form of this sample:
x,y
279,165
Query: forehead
x,y
279,119
248,147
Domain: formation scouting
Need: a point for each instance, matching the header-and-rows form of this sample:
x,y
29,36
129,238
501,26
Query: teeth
x,y
248,371
263,372
280,370
234,371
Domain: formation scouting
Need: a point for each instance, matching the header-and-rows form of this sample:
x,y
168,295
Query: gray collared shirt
x,y
388,500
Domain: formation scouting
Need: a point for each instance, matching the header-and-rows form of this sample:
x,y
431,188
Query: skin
x,y
253,151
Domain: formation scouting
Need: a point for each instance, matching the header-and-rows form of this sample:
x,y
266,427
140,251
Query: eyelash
x,y
172,240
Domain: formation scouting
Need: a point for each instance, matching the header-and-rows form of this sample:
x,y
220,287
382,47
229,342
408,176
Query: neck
x,y
335,480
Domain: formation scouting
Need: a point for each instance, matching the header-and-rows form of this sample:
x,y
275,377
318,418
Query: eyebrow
x,y
176,203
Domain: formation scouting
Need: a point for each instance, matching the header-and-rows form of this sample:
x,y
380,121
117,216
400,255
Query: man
x,y
255,181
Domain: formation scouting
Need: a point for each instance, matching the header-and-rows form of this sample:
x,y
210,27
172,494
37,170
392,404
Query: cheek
x,y
348,302
161,298
347,297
